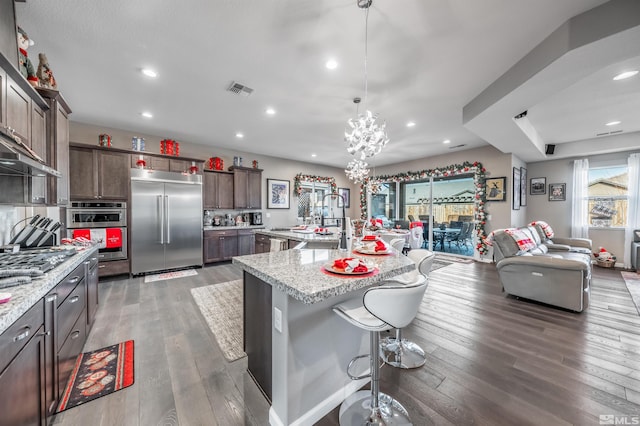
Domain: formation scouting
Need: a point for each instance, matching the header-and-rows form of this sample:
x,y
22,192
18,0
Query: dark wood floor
x,y
492,360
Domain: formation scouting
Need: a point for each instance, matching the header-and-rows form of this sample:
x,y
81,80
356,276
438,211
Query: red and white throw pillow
x,y
525,243
546,228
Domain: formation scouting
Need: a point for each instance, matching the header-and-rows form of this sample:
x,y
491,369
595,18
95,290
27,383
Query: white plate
x,y
365,251
329,267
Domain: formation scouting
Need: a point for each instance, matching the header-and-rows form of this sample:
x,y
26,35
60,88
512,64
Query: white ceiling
x,y
426,60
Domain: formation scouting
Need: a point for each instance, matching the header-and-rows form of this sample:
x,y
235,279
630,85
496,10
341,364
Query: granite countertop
x,y
299,236
224,228
300,274
24,296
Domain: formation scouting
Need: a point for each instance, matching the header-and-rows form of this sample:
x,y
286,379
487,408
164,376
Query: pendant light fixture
x,y
366,135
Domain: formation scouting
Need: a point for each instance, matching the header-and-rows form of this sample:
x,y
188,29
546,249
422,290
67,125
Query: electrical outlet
x,y
488,217
268,214
277,319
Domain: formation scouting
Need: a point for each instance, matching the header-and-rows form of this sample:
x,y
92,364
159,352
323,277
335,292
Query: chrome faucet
x,y
343,236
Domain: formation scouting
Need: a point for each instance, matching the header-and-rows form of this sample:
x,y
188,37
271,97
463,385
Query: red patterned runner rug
x,y
99,373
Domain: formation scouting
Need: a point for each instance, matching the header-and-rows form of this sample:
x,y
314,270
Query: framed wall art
x,y
278,194
346,193
516,188
557,191
495,189
523,186
538,186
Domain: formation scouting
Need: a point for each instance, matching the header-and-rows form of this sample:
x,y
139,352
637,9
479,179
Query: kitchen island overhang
x,y
298,349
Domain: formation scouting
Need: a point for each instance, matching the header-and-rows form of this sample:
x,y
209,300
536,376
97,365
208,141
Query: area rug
x,y
632,280
437,264
221,306
99,373
170,275
455,259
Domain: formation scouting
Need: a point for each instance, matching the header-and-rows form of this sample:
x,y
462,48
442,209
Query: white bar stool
x,y
397,351
381,308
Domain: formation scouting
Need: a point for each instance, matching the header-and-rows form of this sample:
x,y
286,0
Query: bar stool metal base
x,y
356,410
405,354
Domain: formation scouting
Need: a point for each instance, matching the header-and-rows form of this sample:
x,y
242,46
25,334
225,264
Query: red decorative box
x,y
216,163
170,147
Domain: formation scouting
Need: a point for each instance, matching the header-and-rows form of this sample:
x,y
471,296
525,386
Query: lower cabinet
x,y
225,244
39,350
263,244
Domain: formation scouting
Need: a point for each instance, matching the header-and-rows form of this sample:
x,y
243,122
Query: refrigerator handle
x,y
168,218
161,216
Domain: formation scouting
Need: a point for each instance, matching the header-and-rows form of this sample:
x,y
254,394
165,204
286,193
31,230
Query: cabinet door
x,y
246,243
179,166
212,251
209,184
39,146
254,195
229,246
51,350
22,383
240,186
18,112
83,182
113,175
225,190
92,290
62,154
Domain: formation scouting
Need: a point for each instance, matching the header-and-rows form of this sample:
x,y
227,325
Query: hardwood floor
x,y
491,359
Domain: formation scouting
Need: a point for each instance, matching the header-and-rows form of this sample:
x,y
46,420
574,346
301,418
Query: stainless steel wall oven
x,y
101,221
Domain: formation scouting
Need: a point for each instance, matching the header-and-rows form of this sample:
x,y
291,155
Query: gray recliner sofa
x,y
560,276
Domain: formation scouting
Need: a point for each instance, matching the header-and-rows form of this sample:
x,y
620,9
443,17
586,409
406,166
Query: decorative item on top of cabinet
x,y
247,188
218,190
216,163
97,173
44,73
104,140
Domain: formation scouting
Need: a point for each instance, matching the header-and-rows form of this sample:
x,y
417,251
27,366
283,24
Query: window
x,y
310,201
453,199
608,196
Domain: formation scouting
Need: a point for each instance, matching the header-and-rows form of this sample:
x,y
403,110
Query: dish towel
x,y
277,244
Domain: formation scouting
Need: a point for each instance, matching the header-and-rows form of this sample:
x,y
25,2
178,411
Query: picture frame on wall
x,y
516,188
495,189
346,193
538,186
557,191
278,194
523,186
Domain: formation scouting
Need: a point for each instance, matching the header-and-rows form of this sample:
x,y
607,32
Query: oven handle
x,y
166,206
161,215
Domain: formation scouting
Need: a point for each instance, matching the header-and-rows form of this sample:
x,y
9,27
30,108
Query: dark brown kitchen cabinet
x,y
218,190
57,136
91,278
246,242
18,112
164,163
22,370
98,173
247,188
38,187
263,243
3,99
220,245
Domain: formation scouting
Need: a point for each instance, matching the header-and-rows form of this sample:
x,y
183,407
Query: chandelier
x,y
366,135
357,170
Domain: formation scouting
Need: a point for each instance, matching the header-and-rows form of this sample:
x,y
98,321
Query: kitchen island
x,y
298,349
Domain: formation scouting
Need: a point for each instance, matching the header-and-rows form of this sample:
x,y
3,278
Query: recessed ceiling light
x,y
270,111
613,123
331,64
313,155
149,72
625,74
147,114
446,141
411,124
239,135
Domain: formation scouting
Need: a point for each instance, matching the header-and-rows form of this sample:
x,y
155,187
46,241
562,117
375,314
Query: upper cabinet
x,y
218,190
3,99
247,188
165,163
18,112
98,173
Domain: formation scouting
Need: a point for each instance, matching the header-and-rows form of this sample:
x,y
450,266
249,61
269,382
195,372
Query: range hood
x,y
15,160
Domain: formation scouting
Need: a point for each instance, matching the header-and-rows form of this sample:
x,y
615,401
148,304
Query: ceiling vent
x,y
609,133
457,146
240,89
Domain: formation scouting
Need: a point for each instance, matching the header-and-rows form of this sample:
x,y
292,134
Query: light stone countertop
x,y
299,236
225,228
24,296
300,274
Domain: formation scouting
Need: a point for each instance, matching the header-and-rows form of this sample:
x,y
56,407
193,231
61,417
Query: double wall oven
x,y
101,221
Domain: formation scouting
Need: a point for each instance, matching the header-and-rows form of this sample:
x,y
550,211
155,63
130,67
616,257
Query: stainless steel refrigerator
x,y
166,220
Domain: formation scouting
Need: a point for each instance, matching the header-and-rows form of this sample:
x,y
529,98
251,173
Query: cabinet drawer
x,y
113,267
70,310
226,233
261,238
20,332
70,350
67,285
